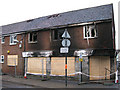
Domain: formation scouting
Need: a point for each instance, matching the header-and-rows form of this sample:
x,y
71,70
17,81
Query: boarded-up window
x,y
36,65
58,66
12,60
98,66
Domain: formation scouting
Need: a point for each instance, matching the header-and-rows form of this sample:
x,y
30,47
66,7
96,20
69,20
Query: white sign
x,y
83,53
27,54
64,50
66,43
80,56
118,56
66,34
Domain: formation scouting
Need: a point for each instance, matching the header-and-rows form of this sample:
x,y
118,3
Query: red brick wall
x,y
14,50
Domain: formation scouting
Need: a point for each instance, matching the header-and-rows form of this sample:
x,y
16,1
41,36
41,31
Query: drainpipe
x,y
24,51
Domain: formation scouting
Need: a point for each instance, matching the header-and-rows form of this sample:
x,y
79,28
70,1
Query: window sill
x,y
32,42
12,65
13,44
89,37
57,39
2,42
1,62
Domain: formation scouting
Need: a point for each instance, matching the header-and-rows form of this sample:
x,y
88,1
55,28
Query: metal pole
x,y
66,71
42,69
24,51
15,67
26,63
105,74
81,71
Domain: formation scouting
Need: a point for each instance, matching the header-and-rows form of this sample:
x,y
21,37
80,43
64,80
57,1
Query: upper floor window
x,y
3,39
2,59
12,39
32,37
57,34
89,31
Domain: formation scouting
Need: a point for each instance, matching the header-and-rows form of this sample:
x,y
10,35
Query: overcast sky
x,y
13,11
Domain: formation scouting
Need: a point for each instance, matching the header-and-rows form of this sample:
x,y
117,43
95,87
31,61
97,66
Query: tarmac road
x,y
8,84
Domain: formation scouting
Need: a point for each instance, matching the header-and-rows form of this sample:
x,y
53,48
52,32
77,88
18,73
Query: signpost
x,y
65,43
80,68
64,50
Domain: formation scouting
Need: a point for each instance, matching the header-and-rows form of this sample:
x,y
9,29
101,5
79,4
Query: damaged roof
x,y
73,17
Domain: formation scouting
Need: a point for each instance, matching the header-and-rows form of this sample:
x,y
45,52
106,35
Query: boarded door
x,y
98,65
58,65
35,65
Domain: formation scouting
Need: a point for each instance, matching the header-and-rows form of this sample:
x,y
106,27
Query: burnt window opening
x,y
33,37
90,31
57,34
3,39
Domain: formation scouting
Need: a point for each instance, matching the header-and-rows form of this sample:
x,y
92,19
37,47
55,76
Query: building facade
x,y
33,46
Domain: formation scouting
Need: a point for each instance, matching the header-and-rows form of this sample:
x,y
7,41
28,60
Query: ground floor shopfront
x,y
89,66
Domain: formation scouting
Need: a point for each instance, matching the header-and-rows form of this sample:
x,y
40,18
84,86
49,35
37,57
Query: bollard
x,y
116,77
25,76
26,61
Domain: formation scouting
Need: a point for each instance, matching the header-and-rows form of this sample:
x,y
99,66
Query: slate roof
x,y
73,17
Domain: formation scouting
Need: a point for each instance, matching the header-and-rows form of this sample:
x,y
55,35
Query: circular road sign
x,y
66,42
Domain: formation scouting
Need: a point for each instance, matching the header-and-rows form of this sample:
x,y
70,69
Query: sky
x,y
13,11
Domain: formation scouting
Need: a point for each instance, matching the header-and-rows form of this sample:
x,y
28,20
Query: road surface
x,y
8,84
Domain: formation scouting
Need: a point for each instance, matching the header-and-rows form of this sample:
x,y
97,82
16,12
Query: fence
x,y
78,70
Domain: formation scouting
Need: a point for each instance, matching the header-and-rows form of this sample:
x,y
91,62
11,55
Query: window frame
x,y
90,28
32,37
2,40
12,37
58,34
54,31
2,57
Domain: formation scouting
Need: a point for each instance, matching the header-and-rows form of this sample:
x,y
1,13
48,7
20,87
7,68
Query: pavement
x,y
31,82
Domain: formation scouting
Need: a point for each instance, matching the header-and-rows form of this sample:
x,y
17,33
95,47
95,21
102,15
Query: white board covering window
x,y
2,58
12,39
90,31
12,60
32,37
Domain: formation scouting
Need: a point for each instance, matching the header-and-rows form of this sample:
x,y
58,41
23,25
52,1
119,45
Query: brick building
x,y
25,44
